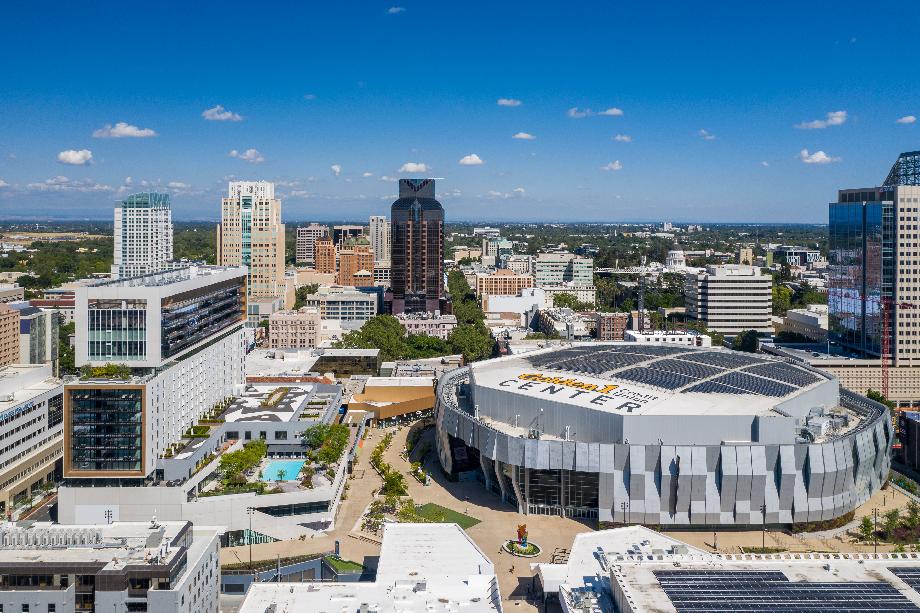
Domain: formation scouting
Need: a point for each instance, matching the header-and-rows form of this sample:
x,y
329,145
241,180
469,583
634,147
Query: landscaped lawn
x,y
343,566
436,512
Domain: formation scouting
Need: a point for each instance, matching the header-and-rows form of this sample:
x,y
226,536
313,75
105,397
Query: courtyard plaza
x,y
499,521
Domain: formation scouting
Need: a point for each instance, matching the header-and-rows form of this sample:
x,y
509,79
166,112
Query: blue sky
x,y
724,111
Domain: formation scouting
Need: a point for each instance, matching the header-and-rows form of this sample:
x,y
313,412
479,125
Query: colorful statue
x,y
522,535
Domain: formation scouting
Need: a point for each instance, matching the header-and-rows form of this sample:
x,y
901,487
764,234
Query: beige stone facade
x,y
502,282
294,329
9,335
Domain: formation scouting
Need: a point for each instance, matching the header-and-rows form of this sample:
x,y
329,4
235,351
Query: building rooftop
x,y
260,403
20,383
423,568
169,277
114,545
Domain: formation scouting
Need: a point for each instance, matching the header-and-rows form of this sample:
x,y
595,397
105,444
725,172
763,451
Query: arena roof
x,y
641,378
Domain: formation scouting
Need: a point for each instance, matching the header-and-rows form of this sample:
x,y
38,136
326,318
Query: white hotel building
x,y
143,235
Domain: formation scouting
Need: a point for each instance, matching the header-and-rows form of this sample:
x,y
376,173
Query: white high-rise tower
x,y
143,235
379,235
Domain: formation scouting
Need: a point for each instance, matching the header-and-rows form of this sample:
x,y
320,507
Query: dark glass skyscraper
x,y
417,246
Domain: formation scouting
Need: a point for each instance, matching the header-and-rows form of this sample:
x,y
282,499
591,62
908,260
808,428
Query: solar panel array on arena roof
x,y
674,368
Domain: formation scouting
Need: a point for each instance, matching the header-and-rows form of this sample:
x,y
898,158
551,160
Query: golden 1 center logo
x,y
568,382
598,394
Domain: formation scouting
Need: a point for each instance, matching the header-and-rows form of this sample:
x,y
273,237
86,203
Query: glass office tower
x,y
861,262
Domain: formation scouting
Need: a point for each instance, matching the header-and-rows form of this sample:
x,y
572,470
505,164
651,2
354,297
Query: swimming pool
x,y
291,470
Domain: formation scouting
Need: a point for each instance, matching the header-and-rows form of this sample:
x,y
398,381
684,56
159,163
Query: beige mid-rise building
x,y
251,234
730,299
502,282
294,329
9,335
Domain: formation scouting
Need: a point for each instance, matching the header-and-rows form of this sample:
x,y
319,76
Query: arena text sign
x,y
569,387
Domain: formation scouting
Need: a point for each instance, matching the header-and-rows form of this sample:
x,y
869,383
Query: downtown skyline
x,y
706,114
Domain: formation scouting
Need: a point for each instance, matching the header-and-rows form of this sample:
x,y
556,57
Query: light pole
x,y
250,511
763,524
624,507
875,529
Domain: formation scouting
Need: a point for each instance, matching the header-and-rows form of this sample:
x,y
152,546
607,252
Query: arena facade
x,y
659,435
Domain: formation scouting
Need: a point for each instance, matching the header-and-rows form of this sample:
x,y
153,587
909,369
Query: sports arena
x,y
660,435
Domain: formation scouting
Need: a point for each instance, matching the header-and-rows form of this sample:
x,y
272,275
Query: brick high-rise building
x,y
356,256
417,248
324,252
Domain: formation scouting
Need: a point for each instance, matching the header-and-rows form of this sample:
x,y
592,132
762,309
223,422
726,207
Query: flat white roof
x,y
423,568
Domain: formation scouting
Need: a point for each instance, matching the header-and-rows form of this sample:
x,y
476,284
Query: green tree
x,y
782,299
865,528
302,292
471,340
65,351
564,300
871,394
746,341
892,519
912,520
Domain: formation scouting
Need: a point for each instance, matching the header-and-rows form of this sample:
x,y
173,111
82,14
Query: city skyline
x,y
519,117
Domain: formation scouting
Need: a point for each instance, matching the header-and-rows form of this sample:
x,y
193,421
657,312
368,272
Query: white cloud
x,y
492,194
76,158
834,118
577,113
623,138
614,165
336,169
524,136
471,160
299,193
178,185
250,155
706,135
367,174
309,96
128,180
388,179
519,190
219,113
61,183
414,167
907,119
395,10
4,183
123,130
508,102
818,157
765,163
612,112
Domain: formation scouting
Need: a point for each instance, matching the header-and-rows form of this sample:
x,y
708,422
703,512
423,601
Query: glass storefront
x,y
106,429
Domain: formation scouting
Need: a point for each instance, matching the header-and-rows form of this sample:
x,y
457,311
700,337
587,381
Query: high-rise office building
x,y
143,235
251,234
379,234
730,299
874,263
325,256
417,248
306,242
558,268
356,263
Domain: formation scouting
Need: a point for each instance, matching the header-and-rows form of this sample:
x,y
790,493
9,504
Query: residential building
x,y
179,334
611,326
11,292
563,323
325,256
422,567
730,298
31,416
810,322
417,247
38,334
356,263
551,269
520,264
431,324
251,234
379,232
502,282
493,248
143,235
306,239
340,302
342,233
745,256
294,329
9,335
167,567
689,338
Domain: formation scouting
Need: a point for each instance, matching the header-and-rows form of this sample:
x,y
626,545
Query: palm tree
x,y
280,474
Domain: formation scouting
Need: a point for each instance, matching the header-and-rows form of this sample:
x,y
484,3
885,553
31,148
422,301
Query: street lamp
x,y
763,524
875,529
624,507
